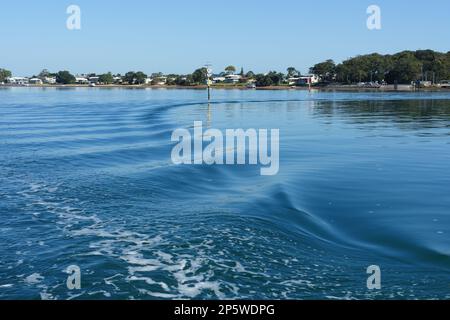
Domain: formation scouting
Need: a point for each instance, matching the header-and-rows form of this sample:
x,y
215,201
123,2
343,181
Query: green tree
x,y
171,79
276,77
184,80
230,69
263,80
402,67
4,74
406,68
250,75
157,75
200,76
435,65
106,78
140,77
43,74
65,77
130,77
325,70
292,72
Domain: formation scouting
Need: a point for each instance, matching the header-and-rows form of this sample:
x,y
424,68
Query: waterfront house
x,y
160,81
232,78
292,80
157,81
94,80
20,81
218,79
49,80
308,79
425,84
117,80
81,80
445,84
35,81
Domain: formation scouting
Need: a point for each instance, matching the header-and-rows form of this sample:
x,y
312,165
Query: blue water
x,y
86,179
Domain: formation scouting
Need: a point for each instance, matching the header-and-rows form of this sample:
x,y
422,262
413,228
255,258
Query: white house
x,y
81,80
20,81
94,80
232,78
445,84
117,79
50,80
218,79
292,80
308,79
35,81
425,84
159,81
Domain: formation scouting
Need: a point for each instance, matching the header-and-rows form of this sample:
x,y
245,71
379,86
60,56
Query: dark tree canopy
x,y
325,70
129,77
273,78
140,77
200,76
402,67
4,74
230,69
106,78
263,80
292,72
65,77
132,77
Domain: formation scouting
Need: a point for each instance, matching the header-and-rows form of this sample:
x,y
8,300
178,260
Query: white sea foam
x,y
34,278
142,253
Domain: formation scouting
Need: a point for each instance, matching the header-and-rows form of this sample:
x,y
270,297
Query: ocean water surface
x,y
86,179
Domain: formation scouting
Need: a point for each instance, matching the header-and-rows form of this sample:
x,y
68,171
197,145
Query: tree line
x,y
403,67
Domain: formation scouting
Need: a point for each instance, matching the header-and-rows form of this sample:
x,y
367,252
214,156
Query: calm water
x,y
86,179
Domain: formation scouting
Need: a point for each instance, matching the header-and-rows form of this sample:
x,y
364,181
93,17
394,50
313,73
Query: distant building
x,y
81,80
232,78
171,79
20,81
308,79
218,79
425,84
117,80
159,81
35,81
292,80
94,80
445,84
49,80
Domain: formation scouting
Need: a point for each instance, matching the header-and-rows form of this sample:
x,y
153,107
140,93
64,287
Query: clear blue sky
x,y
179,36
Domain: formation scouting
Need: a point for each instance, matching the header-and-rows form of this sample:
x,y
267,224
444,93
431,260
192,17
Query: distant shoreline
x,y
343,88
